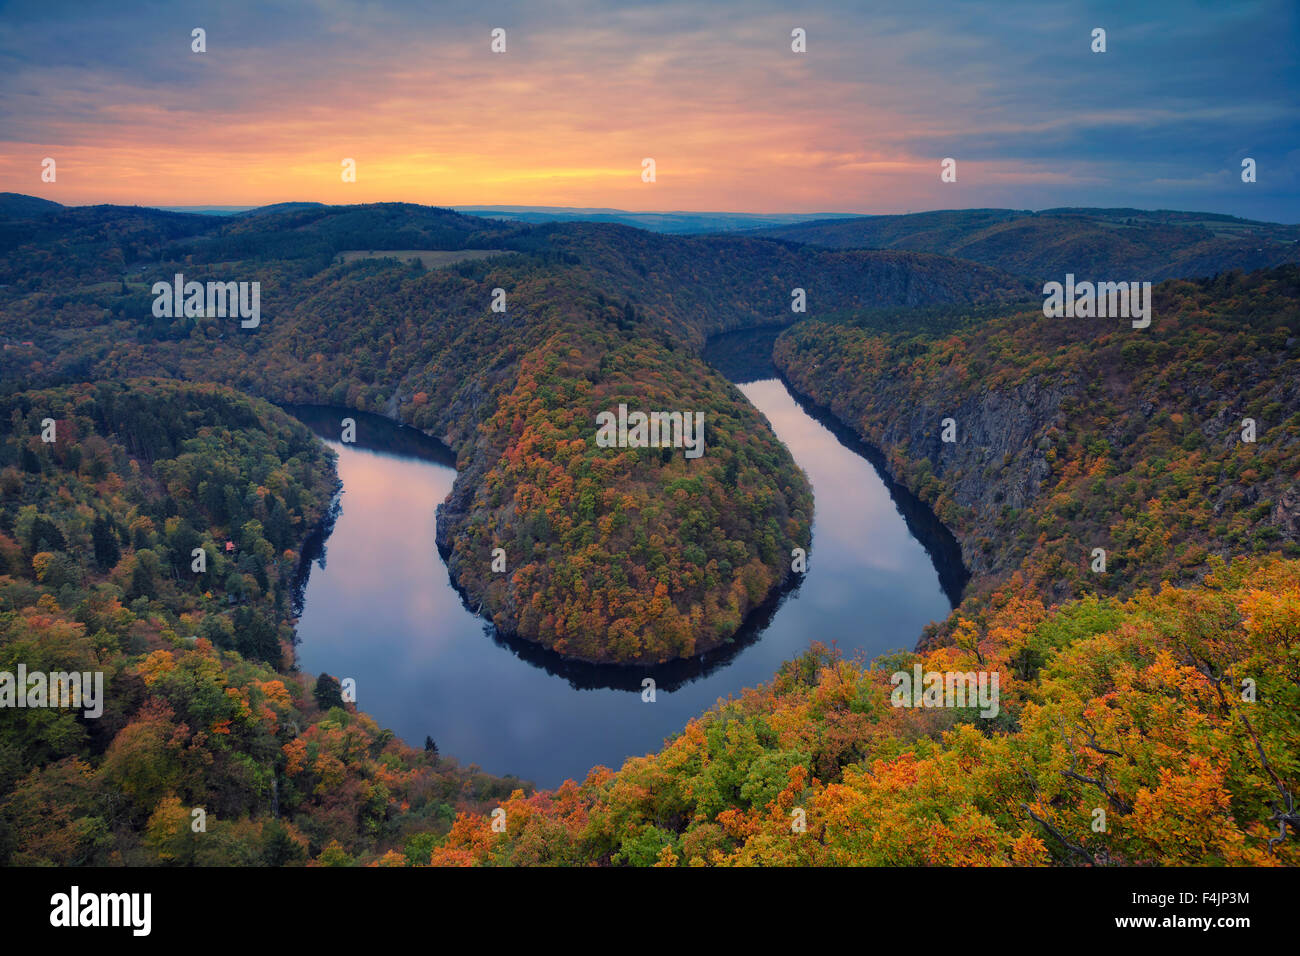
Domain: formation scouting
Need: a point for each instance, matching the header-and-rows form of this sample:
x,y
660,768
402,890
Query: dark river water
x,y
379,607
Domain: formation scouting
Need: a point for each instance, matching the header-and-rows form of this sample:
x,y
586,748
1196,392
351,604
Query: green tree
x,y
107,552
327,692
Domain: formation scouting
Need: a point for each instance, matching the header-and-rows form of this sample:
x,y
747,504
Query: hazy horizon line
x,y
472,208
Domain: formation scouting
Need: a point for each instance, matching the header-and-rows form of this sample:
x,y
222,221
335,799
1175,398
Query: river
x,y
379,607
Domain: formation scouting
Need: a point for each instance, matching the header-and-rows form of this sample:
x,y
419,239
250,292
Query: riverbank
x,y
384,609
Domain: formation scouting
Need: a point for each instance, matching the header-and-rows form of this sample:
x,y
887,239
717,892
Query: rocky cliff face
x,y
1286,513
1006,440
998,460
1040,444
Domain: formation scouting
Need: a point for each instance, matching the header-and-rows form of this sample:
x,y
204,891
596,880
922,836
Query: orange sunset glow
x,y
566,114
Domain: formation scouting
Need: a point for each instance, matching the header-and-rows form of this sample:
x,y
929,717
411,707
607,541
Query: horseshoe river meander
x,y
379,607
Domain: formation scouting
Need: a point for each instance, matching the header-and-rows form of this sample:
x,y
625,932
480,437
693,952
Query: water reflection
x,y
382,610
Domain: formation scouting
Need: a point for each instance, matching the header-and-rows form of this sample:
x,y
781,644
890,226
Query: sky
x,y
711,90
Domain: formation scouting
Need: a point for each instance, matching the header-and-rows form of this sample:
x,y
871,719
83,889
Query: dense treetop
x,y
1095,244
201,708
1118,692
595,315
1130,709
1087,433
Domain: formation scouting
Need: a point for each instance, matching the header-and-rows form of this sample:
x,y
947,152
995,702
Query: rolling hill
x,y
1117,690
1116,244
597,314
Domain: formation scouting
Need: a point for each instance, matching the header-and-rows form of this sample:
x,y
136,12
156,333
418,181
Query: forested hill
x,y
1111,244
63,249
1072,435
1122,738
1164,447
1140,722
699,286
613,554
154,538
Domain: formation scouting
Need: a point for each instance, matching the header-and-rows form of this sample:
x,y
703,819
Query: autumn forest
x,y
155,504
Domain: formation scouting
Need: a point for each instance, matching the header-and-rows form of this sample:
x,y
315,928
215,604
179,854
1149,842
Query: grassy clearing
x,y
432,258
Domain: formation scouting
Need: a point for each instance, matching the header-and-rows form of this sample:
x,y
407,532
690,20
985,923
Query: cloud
x,y
734,119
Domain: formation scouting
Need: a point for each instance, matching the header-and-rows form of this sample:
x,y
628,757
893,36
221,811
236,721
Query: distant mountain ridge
x,y
679,222
1113,243
16,204
1103,243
